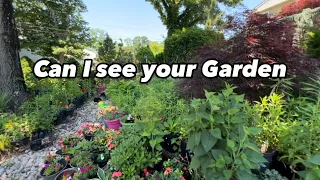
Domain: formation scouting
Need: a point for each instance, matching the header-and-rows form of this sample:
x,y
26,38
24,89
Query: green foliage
x,y
4,100
271,175
220,135
176,15
29,78
144,55
270,113
156,48
181,46
313,44
97,38
53,167
131,155
55,28
107,50
5,144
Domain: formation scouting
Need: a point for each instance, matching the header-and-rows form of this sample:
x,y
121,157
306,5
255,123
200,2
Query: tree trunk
x,y
61,58
11,76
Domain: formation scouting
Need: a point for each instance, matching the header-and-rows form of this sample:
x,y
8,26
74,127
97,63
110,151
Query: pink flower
x,y
58,166
46,166
117,174
79,132
83,169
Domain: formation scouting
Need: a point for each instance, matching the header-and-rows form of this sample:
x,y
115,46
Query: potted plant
x,y
66,174
52,169
113,119
88,129
70,140
86,172
270,113
100,159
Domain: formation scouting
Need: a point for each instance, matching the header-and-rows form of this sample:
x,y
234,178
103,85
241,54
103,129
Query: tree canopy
x,y
179,14
55,28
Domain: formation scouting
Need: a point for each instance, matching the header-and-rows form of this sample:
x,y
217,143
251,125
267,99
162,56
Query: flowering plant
x,y
90,128
298,6
69,141
53,167
67,176
85,172
115,115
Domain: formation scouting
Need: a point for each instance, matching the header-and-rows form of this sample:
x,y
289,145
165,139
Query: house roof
x,y
269,4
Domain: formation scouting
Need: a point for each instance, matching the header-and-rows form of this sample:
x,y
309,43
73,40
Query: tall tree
x,y
54,27
107,51
179,14
97,37
11,81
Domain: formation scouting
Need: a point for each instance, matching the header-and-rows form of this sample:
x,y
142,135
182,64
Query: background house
x,y
90,54
272,6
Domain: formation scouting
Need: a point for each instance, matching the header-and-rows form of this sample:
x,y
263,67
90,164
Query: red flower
x,y
79,132
90,168
60,143
167,171
111,146
117,174
182,178
185,168
67,158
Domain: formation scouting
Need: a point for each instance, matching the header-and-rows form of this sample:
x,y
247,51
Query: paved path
x,y
27,165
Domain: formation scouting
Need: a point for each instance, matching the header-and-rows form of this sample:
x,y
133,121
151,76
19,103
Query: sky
x,y
131,18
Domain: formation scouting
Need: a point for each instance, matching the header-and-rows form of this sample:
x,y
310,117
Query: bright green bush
x,y
313,44
181,46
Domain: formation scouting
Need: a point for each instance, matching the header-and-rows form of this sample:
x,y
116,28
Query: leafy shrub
x,y
181,46
270,175
261,37
221,136
5,144
4,99
144,55
298,6
131,155
313,44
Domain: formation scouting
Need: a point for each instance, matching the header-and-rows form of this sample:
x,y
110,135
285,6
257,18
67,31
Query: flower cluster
x,y
52,168
90,128
298,6
116,175
115,115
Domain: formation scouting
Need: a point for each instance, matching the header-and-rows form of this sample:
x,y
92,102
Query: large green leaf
x,y
216,153
216,133
315,159
255,157
199,151
227,174
195,163
208,141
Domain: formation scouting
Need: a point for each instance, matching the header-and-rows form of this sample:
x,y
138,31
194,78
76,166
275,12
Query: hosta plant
x,y
221,136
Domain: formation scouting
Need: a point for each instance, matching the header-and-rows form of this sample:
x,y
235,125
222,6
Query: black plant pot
x,y
36,145
168,146
88,137
269,158
61,117
23,142
280,166
53,176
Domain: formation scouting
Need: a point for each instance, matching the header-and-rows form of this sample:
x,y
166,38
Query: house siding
x,y
272,6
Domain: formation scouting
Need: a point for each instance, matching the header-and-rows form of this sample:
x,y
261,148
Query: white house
x,y
272,6
90,54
